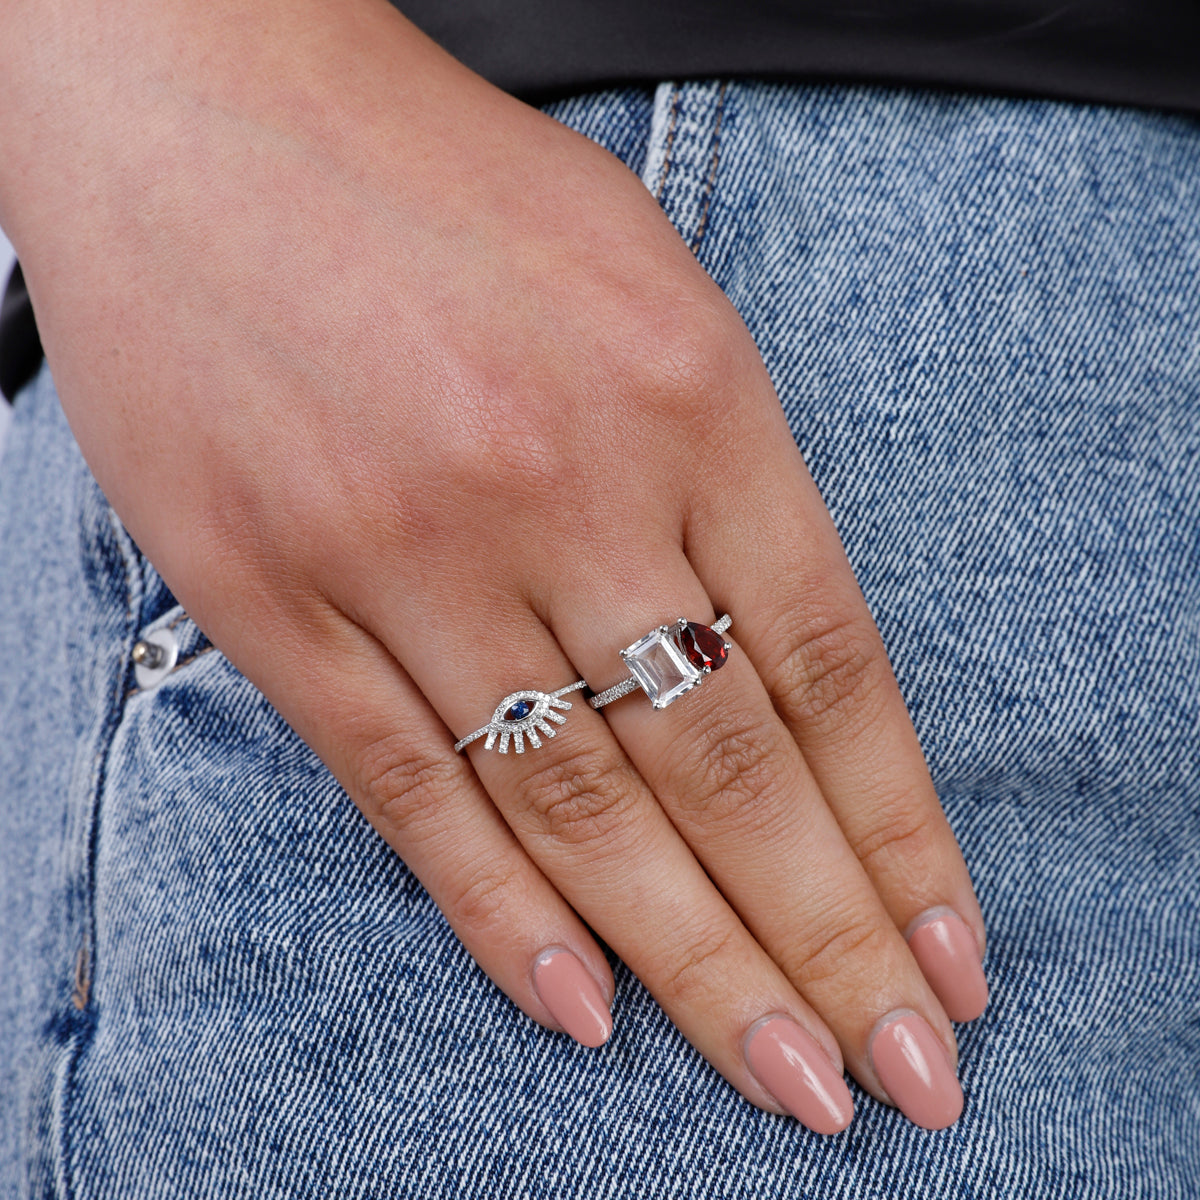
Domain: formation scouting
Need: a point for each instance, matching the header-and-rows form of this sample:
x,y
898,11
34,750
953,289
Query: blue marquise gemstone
x,y
519,711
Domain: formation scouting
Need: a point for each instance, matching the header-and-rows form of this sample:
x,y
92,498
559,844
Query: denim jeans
x,y
983,319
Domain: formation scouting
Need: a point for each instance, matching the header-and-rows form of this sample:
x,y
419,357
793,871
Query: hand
x,y
416,399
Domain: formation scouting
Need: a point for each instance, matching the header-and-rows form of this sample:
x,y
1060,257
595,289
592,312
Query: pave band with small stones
x,y
523,715
669,661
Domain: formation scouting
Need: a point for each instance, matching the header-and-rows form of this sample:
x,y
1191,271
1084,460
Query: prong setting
x,y
670,661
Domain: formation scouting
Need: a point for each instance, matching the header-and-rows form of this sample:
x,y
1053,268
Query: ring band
x,y
522,715
669,661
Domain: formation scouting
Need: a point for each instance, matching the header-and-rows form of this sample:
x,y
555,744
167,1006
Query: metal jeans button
x,y
154,658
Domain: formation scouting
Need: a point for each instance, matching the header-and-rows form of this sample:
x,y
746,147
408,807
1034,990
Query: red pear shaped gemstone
x,y
702,646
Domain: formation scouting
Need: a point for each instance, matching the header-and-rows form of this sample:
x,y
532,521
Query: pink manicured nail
x,y
791,1065
573,997
912,1065
946,952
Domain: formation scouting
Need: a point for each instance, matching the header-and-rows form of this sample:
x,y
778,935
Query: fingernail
x,y
567,989
794,1069
912,1066
946,952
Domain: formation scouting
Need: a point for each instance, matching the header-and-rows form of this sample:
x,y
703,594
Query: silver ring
x,y
669,661
523,715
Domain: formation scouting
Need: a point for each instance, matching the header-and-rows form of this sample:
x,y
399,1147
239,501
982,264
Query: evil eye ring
x,y
522,716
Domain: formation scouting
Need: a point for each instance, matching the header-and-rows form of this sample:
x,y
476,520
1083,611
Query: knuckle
x,y
480,900
695,970
578,798
513,452
829,668
500,440
840,951
693,360
904,829
725,773
400,784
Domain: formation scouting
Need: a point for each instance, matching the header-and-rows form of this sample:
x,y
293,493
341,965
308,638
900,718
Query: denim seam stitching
x,y
711,182
670,146
183,662
101,753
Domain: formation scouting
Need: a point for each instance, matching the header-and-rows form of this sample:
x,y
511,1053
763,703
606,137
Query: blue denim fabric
x,y
983,319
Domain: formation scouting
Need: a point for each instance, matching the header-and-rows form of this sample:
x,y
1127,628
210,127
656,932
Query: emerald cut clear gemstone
x,y
659,664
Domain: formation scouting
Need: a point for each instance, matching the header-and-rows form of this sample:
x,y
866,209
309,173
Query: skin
x,y
402,386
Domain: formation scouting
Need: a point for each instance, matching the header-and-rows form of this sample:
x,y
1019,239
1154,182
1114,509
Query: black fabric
x,y
20,346
1143,52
